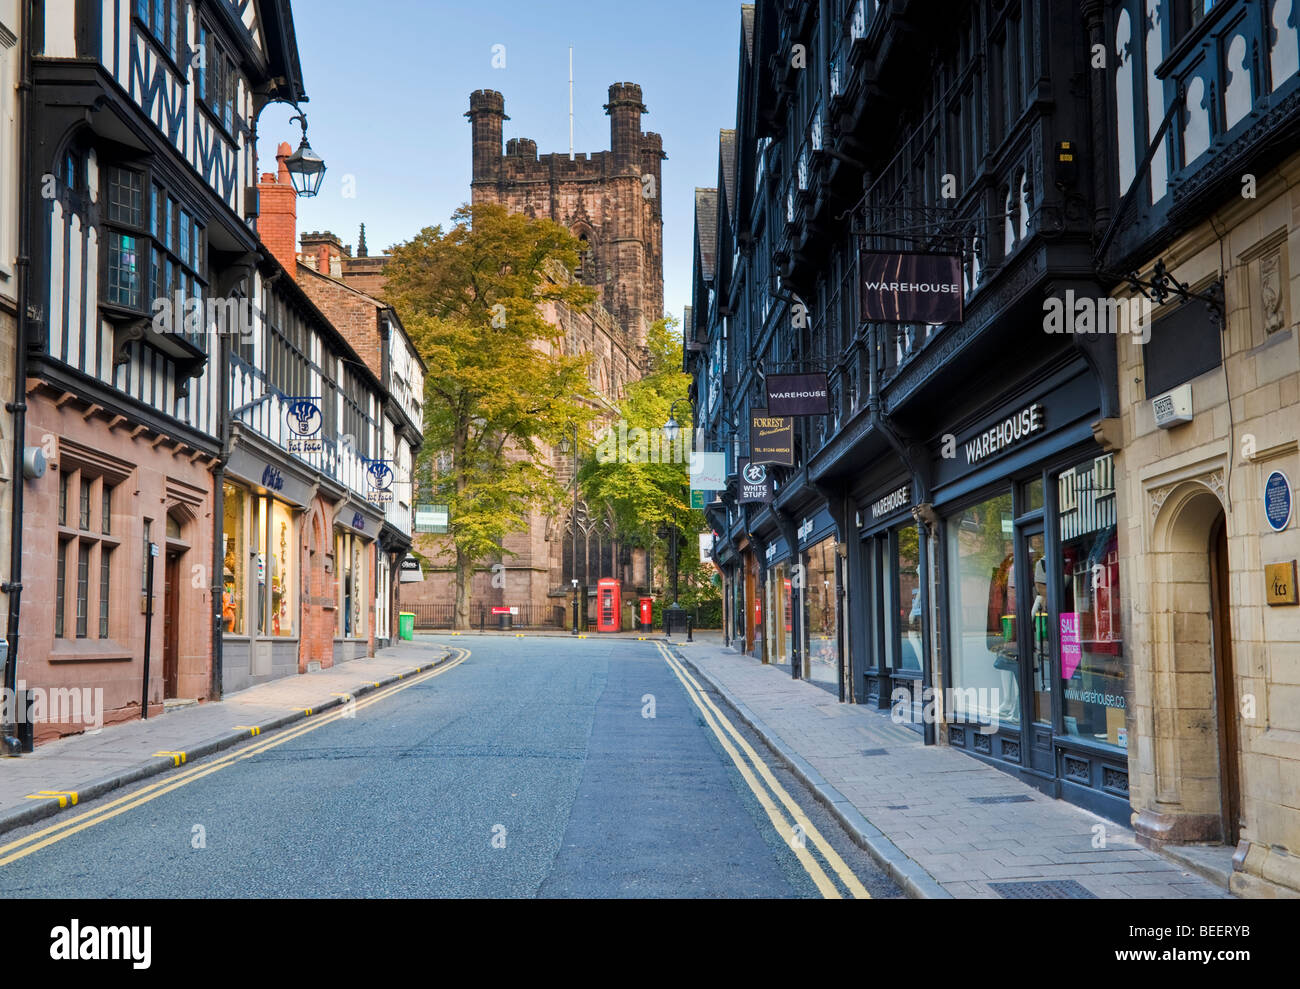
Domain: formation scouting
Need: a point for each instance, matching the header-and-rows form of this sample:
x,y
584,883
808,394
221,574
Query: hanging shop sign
x,y
755,484
910,288
1277,501
798,395
411,571
304,418
708,471
771,439
379,478
698,498
433,519
706,546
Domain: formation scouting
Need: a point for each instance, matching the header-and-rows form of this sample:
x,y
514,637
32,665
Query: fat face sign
x,y
304,419
771,439
380,478
910,288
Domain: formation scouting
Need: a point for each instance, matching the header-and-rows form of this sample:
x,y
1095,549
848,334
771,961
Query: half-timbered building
x,y
145,121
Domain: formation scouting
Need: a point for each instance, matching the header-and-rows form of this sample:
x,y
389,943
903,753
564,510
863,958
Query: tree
x,y
500,390
643,479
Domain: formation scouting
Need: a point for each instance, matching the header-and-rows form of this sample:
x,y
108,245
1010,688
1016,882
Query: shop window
x,y
821,640
235,550
982,613
85,549
907,573
276,568
1091,635
352,554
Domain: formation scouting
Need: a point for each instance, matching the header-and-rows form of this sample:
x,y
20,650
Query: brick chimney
x,y
328,252
277,225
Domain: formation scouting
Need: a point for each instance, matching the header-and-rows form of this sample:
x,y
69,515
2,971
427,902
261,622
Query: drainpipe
x,y
22,270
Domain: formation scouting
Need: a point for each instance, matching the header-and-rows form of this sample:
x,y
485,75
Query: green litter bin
x,y
406,625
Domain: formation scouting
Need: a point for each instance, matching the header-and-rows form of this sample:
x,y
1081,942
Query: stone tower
x,y
611,200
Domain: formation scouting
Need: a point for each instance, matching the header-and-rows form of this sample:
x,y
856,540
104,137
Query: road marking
x,y
177,758
251,729
823,847
23,847
62,796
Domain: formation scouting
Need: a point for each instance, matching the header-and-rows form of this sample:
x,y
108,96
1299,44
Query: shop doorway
x,y
171,626
1225,692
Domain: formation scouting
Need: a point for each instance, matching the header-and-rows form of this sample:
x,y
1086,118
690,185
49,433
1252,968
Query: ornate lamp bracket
x,y
1162,286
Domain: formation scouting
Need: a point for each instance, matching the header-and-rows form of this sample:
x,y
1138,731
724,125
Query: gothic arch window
x,y
586,258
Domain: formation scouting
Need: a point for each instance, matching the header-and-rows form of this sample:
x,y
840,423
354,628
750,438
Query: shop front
x,y
1034,654
355,564
776,616
893,651
819,591
261,550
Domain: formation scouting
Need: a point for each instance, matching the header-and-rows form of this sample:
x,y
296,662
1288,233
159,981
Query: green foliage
x,y
500,391
646,498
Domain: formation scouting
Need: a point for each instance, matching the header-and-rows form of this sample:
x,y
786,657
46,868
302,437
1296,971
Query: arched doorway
x,y
1192,694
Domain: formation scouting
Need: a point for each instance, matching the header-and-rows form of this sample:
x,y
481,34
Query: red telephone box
x,y
647,613
609,605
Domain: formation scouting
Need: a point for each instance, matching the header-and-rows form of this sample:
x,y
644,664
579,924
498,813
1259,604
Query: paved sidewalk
x,y
97,762
923,811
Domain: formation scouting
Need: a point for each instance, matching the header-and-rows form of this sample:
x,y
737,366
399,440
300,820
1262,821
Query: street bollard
x,y
688,629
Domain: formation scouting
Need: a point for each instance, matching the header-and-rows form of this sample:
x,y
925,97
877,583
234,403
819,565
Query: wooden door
x,y
1225,685
171,626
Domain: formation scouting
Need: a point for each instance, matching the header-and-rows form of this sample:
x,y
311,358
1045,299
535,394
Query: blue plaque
x,y
1277,501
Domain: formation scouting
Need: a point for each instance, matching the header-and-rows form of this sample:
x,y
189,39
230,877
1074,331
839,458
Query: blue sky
x,y
389,82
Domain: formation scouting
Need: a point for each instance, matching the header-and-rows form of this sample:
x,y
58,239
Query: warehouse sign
x,y
910,288
798,395
771,439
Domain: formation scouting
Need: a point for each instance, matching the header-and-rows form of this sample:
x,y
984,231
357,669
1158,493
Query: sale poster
x,y
1071,647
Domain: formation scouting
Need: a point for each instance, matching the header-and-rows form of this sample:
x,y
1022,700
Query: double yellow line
x,y
796,829
66,828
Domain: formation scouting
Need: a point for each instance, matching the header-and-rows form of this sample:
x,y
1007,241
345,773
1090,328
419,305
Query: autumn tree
x,y
500,389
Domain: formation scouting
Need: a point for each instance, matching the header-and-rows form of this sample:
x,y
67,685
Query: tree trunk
x,y
462,620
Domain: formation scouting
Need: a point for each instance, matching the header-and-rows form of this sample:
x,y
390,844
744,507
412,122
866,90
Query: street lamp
x,y
575,605
671,427
306,167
